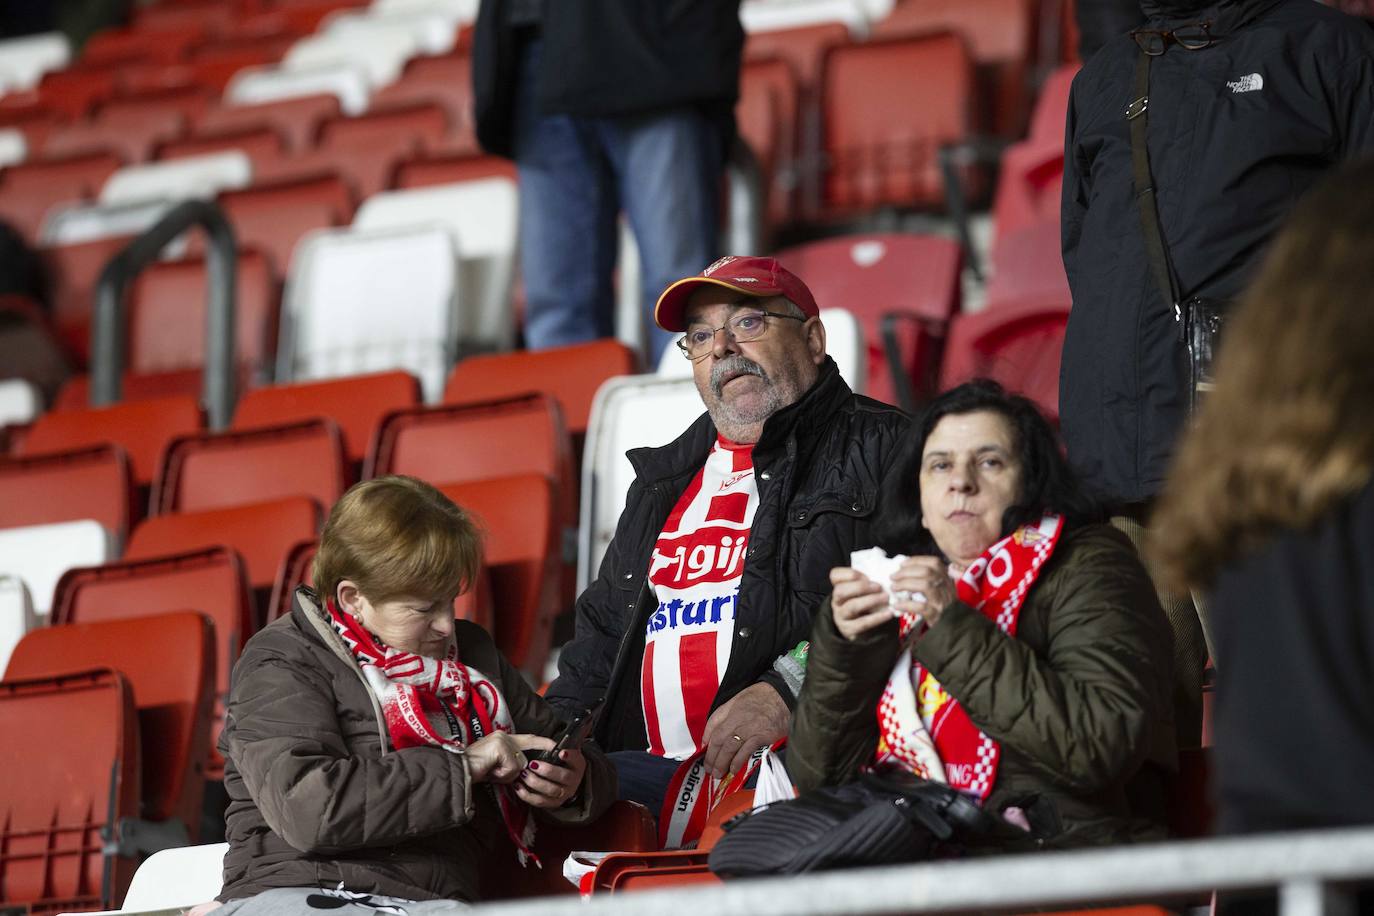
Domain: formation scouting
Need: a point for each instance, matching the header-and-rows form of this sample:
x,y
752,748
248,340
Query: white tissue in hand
x,y
877,565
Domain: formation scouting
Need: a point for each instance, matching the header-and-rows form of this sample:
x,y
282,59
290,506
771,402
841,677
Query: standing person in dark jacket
x,y
1250,102
722,553
607,105
1270,506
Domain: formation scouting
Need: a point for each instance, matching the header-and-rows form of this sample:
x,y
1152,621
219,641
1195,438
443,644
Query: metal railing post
x,y
744,231
108,330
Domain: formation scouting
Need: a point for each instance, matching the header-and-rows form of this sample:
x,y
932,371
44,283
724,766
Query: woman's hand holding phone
x,y
544,784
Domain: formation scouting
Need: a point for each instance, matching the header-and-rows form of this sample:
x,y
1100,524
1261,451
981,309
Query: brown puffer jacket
x,y
316,795
1079,699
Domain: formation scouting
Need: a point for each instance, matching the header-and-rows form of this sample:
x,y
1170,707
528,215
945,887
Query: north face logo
x,y
1248,83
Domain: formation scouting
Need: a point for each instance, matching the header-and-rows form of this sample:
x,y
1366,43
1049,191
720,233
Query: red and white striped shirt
x,y
695,573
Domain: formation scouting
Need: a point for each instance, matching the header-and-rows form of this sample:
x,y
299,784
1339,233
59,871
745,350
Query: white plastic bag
x,y
774,784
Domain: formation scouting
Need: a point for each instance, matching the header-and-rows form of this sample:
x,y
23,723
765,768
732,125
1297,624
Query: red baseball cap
x,y
761,278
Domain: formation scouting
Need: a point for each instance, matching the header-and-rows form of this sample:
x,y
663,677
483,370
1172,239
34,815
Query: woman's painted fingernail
x,y
534,765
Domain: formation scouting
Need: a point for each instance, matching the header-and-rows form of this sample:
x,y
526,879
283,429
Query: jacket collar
x,y
686,453
311,616
1226,16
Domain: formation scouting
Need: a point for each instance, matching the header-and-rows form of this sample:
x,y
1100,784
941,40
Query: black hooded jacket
x,y
818,466
1237,132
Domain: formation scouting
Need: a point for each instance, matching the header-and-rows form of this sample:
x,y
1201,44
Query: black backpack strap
x,y
1155,249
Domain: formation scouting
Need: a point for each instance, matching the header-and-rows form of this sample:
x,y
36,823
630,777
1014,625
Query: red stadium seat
x,y
132,45
77,778
423,171
262,533
803,48
30,189
1000,35
298,120
92,483
1191,812
132,125
34,121
272,217
570,374
167,316
143,428
209,581
73,272
1028,266
444,80
768,116
1018,345
263,145
456,443
296,569
234,468
1031,174
625,826
881,150
651,870
916,277
174,699
213,65
357,403
75,91
523,560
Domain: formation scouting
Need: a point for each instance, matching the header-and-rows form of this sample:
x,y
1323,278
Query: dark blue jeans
x,y
663,168
644,778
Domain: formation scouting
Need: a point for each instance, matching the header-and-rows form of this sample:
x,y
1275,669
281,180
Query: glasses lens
x,y
1193,37
1151,42
748,325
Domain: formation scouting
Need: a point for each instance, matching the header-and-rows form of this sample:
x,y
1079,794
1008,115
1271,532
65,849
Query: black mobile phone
x,y
573,737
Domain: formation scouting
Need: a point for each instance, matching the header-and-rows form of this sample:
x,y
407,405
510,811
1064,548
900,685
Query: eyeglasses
x,y
746,326
1192,37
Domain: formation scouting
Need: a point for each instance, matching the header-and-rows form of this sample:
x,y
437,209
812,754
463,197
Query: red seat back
x,y
28,190
872,276
571,375
169,660
804,48
1017,345
91,483
518,516
356,403
1028,266
272,217
167,309
209,581
881,150
444,80
73,272
219,470
479,441
263,145
297,120
262,533
143,428
423,171
62,789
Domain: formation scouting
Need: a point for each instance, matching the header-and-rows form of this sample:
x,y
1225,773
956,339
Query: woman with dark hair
x,y
1269,509
1018,653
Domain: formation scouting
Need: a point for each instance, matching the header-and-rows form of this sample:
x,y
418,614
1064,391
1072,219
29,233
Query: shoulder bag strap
x,y
1155,249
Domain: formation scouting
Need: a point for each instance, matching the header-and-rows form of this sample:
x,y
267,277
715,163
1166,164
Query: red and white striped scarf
x,y
437,702
921,728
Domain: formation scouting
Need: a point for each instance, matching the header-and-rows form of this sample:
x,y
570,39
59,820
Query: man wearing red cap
x,y
722,555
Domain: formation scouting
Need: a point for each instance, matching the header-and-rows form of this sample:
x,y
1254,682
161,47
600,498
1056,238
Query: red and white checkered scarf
x,y
436,702
921,728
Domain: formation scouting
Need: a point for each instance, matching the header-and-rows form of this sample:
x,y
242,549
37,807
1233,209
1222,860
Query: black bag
x,y
874,820
1200,320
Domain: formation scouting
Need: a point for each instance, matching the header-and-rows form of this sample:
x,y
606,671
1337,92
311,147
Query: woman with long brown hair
x,y
1270,510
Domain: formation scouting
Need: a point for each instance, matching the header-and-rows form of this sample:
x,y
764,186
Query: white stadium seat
x,y
629,411
189,178
20,401
40,554
843,341
381,53
23,61
483,217
367,301
434,32
773,15
16,616
347,82
71,224
14,148
173,881
460,11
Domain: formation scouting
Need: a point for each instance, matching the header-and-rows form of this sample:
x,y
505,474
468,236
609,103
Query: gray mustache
x,y
734,365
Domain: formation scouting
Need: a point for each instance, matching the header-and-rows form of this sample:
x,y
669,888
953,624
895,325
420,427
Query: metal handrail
x,y
108,331
1312,872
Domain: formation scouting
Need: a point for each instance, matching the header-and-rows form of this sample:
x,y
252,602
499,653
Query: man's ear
x,y
348,598
815,340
